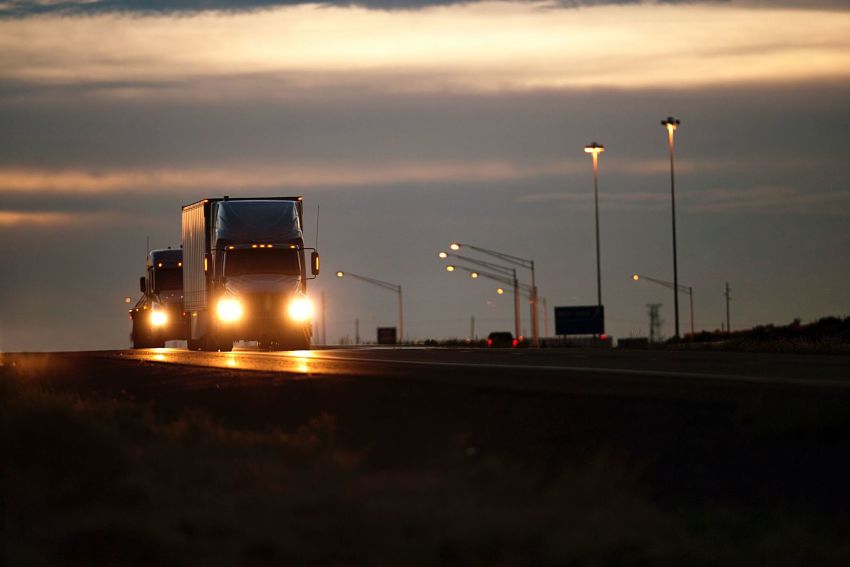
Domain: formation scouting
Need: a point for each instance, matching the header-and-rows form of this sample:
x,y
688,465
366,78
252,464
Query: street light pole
x,y
510,280
595,149
517,261
388,286
672,124
686,288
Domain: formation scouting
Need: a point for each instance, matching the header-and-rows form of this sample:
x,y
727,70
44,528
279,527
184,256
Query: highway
x,y
545,369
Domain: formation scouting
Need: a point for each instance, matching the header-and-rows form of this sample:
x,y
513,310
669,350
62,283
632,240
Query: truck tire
x,y
192,344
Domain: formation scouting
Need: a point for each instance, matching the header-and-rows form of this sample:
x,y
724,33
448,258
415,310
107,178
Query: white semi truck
x,y
245,273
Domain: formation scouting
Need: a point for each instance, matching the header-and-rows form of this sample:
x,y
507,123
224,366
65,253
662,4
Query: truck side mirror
x,y
143,287
314,263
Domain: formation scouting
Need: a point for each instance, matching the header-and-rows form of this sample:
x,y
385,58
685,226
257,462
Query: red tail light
x,y
515,342
603,337
489,342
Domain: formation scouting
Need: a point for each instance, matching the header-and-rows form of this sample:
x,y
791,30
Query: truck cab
x,y
158,314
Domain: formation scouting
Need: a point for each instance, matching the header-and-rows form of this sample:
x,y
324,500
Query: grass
x,y
92,479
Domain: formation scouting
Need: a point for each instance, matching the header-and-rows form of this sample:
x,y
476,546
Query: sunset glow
x,y
477,47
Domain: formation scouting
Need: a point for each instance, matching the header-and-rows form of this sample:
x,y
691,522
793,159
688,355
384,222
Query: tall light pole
x,y
686,288
672,124
595,149
388,286
516,261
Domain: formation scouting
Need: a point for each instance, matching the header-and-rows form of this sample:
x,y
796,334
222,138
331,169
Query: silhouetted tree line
x,y
824,329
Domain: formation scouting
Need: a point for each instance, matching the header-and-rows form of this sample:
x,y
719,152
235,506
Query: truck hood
x,y
262,283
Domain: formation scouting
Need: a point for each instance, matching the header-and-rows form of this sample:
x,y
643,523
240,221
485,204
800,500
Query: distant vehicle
x,y
158,315
501,340
245,273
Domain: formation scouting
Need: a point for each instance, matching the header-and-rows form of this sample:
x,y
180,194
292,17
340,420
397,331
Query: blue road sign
x,y
580,320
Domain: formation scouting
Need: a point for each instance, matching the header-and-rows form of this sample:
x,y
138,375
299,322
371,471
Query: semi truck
x,y
158,315
245,273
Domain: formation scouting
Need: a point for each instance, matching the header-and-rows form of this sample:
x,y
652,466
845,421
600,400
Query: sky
x,y
415,123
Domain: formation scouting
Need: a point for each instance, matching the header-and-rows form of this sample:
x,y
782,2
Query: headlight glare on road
x,y
158,318
229,309
300,309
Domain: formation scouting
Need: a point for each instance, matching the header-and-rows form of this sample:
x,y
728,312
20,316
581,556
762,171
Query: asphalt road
x,y
547,369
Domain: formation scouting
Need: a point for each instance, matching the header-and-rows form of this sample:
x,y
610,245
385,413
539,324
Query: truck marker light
x,y
229,309
300,309
253,246
231,247
205,264
268,245
179,264
292,246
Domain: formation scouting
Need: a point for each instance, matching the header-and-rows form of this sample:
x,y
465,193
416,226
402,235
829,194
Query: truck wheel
x,y
195,344
225,346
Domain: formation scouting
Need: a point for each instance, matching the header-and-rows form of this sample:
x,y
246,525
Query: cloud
x,y
24,8
772,199
10,219
484,47
758,199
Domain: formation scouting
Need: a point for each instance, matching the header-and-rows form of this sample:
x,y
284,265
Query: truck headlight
x,y
158,318
229,309
300,309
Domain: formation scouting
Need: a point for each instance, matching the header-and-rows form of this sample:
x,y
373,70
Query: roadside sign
x,y
580,320
387,335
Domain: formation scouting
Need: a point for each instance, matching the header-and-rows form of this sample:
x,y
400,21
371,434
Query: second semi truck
x,y
245,273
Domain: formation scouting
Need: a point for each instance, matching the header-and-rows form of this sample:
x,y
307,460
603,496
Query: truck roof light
x,y
293,246
179,264
159,264
253,246
268,245
231,247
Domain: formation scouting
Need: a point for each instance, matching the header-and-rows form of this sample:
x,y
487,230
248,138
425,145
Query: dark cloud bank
x,y
22,8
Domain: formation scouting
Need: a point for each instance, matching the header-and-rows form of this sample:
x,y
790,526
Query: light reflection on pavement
x,y
519,365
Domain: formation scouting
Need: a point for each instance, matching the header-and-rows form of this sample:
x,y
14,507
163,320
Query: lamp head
x,y
636,277
443,255
594,148
671,123
450,268
454,246
340,274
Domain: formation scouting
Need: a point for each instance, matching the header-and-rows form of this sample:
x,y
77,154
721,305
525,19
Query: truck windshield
x,y
262,261
167,279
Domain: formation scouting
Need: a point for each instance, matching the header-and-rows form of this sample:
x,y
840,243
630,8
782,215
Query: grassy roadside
x,y
93,479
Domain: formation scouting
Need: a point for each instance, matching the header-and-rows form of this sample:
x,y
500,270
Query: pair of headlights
x,y
229,309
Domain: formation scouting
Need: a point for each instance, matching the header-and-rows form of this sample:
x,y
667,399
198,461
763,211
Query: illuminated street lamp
x,y
670,285
595,149
385,285
671,124
516,261
505,279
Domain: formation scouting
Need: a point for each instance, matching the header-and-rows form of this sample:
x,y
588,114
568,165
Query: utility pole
x,y
728,295
357,331
472,327
654,322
